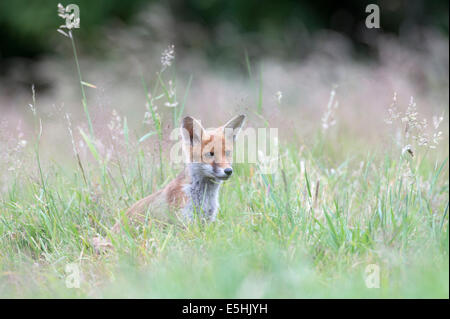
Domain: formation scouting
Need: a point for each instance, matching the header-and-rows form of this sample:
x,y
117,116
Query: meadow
x,y
361,187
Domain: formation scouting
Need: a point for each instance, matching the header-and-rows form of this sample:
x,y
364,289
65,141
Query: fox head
x,y
209,152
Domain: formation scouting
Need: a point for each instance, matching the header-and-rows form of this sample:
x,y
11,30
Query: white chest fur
x,y
203,198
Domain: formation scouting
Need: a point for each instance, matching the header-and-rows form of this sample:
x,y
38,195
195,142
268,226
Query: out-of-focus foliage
x,y
26,26
285,27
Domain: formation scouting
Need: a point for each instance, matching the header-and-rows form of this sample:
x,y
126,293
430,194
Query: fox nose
x,y
228,171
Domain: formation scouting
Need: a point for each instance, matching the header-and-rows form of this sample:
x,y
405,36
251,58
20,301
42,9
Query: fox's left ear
x,y
234,125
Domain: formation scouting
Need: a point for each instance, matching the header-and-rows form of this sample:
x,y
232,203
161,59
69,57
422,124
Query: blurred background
x,y
312,69
286,55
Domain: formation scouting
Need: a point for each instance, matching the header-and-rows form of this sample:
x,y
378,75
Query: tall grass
x,y
309,230
269,240
305,231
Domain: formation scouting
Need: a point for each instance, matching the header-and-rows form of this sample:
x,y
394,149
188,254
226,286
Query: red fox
x,y
209,155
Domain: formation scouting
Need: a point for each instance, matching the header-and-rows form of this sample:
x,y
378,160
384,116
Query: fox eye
x,y
211,154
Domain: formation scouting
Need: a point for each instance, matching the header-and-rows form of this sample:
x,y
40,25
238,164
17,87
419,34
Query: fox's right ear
x,y
191,130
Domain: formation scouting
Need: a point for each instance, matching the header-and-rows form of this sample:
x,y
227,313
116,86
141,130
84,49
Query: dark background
x,y
27,26
280,28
